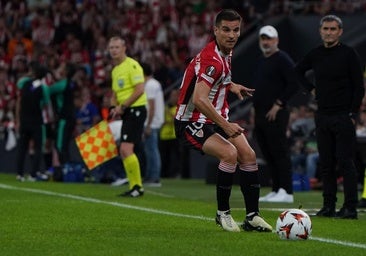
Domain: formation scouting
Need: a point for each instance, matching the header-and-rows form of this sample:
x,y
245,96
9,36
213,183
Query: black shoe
x,y
257,223
346,213
362,203
136,191
326,212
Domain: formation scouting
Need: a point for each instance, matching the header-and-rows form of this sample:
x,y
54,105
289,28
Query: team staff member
x,y
202,122
129,101
63,92
33,97
274,83
339,91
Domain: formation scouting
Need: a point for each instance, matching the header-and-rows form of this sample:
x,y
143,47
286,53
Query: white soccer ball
x,y
293,224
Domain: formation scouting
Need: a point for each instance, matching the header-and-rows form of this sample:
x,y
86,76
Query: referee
x,y
129,102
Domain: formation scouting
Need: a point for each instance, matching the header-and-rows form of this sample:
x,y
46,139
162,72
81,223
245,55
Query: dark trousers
x,y
28,132
65,129
170,158
336,138
274,145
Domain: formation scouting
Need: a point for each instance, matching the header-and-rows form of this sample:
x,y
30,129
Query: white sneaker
x,y
281,197
119,182
31,179
20,178
227,222
266,197
152,183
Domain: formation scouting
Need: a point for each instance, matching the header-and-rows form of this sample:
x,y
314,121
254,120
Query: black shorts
x,y
133,124
194,135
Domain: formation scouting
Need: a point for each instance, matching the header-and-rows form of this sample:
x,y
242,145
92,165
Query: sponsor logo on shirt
x,y
210,70
121,83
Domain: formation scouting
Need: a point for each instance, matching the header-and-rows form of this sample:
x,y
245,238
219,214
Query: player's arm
x,y
203,104
150,115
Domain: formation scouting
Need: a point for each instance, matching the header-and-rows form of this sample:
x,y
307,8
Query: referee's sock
x,y
133,171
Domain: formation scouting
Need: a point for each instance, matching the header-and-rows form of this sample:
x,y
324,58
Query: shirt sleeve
x,y
301,68
208,70
57,87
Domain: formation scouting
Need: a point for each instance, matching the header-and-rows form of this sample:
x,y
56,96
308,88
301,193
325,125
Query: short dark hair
x,y
39,71
227,14
331,17
147,69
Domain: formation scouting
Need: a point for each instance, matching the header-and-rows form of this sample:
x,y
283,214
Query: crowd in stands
x,y
164,33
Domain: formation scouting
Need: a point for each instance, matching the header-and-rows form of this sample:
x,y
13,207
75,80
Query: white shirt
x,y
154,91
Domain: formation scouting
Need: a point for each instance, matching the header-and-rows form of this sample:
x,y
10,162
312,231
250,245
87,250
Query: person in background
x,y
33,97
129,102
362,202
63,92
338,88
274,83
87,113
201,123
168,144
154,120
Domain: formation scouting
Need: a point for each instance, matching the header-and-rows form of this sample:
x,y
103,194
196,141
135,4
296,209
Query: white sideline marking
x,y
93,200
144,209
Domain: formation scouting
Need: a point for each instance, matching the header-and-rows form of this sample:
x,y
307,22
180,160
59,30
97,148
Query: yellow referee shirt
x,y
125,77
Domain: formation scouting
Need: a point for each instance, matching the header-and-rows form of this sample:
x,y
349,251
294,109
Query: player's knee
x,y
230,155
252,157
248,156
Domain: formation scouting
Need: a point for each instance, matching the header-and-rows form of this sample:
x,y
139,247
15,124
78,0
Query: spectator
x,y
168,144
44,33
87,113
5,34
20,41
154,120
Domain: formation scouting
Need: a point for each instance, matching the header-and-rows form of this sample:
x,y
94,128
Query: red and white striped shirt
x,y
212,66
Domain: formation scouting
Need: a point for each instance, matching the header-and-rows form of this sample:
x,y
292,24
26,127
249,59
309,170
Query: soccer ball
x,y
293,224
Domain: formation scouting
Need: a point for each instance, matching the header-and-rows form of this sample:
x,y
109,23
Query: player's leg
x,y
131,133
249,184
220,148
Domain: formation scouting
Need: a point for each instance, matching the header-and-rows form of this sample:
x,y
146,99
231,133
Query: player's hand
x,y
112,113
233,130
241,91
272,113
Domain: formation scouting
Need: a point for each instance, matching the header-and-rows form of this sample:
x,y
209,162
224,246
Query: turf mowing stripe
x,y
122,205
93,200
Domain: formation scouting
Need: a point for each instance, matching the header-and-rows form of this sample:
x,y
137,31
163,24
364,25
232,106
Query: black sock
x,y
223,189
249,185
47,160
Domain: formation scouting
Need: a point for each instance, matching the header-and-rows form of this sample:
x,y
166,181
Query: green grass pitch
x,y
50,218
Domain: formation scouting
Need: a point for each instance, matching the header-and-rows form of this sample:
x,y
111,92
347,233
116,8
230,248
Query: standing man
x,y
202,122
274,82
33,97
63,92
154,120
129,102
339,90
